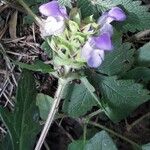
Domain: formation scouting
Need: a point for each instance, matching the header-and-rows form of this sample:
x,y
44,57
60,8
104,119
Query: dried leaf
x,y
13,25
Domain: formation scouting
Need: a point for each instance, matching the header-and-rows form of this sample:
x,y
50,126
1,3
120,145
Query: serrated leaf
x,y
86,7
37,66
65,3
137,15
101,141
44,103
138,74
144,55
122,97
23,124
146,147
118,61
78,100
119,97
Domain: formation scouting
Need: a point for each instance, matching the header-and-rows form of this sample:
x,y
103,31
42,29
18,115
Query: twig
x,y
68,135
30,12
46,145
139,35
94,113
3,130
61,85
138,121
112,132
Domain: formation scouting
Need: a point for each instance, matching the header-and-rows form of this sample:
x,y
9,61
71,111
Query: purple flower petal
x,y
107,28
63,11
102,42
50,9
97,56
117,14
102,20
52,26
86,51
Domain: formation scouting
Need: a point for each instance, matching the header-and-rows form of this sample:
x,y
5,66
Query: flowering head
x,y
93,50
55,22
82,41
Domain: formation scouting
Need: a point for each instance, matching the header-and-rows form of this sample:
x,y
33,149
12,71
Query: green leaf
x,y
77,145
44,103
45,46
119,97
86,7
146,147
65,3
144,55
23,124
137,15
138,74
5,143
118,61
78,100
37,66
101,141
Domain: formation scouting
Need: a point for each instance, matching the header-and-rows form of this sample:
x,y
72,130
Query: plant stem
x,y
61,85
113,132
30,12
138,121
94,114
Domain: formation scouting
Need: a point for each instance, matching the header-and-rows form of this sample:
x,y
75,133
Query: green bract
x,y
67,46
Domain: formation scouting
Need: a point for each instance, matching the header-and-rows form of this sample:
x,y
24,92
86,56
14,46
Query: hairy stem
x,y
51,115
29,11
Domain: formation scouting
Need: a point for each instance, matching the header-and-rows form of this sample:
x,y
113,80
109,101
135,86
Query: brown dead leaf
x,y
13,25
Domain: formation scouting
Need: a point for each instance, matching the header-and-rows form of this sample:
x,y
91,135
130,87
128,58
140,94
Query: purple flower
x,y
53,9
55,22
97,57
93,50
102,42
93,56
115,14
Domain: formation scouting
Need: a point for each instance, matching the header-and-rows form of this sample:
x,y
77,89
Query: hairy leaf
x,y
138,74
137,15
65,3
118,61
119,97
144,55
122,96
37,66
78,100
23,124
86,7
44,103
